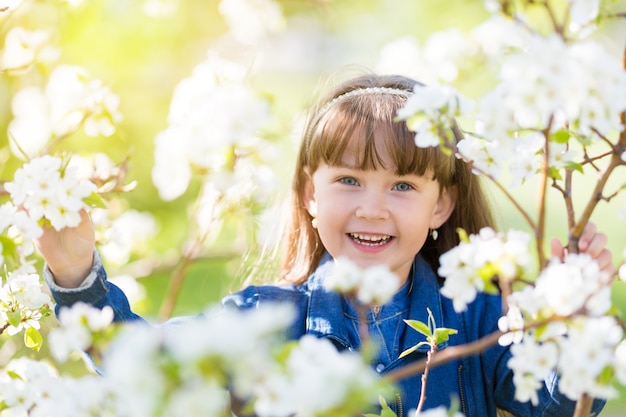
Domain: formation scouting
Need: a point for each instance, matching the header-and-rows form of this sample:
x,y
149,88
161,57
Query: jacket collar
x,y
326,318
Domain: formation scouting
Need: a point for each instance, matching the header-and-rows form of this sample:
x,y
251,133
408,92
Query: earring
x,y
434,234
314,222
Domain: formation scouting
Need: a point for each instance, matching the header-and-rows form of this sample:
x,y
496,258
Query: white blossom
x,y
252,20
513,326
126,235
430,109
23,48
582,12
468,267
213,117
76,97
78,324
531,362
438,60
314,370
45,193
573,284
371,286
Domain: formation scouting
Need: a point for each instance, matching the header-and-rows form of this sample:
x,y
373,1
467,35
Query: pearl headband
x,y
352,93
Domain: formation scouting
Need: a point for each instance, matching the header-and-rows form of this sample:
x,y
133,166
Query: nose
x,y
372,206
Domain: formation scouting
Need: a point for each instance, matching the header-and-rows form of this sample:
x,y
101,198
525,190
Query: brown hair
x,y
368,121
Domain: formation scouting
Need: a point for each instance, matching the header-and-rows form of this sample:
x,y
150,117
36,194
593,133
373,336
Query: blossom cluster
x,y
371,286
195,365
480,260
17,230
430,112
48,190
22,305
71,99
562,322
78,327
213,122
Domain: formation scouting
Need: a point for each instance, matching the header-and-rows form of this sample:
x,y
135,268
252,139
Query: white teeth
x,y
370,240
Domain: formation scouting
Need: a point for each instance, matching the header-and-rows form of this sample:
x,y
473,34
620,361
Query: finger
x,y
605,262
556,249
587,235
596,245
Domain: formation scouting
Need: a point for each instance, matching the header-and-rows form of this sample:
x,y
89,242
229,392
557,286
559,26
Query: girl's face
x,y
375,216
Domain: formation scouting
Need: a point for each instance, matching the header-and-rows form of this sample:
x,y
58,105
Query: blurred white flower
x,y
531,363
23,48
24,383
30,129
250,21
371,286
436,412
70,98
214,118
585,353
582,13
78,324
513,326
573,284
314,370
74,97
9,5
127,234
437,61
160,8
620,362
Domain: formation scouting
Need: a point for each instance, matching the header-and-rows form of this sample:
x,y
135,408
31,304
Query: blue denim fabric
x,y
481,382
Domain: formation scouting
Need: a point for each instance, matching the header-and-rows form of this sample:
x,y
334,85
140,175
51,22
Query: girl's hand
x,y
69,252
592,243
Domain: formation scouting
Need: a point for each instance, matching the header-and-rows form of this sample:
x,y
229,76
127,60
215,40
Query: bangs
x,y
365,127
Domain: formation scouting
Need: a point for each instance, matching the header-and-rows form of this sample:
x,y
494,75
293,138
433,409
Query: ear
x,y
444,208
308,195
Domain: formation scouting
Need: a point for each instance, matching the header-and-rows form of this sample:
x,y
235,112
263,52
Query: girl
x,y
363,190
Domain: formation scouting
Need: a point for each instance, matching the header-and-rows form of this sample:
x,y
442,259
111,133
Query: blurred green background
x,y
143,48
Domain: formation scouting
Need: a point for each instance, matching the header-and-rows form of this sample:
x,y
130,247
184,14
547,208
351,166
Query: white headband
x,y
352,93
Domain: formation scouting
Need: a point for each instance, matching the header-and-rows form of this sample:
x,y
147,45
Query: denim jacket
x,y
481,383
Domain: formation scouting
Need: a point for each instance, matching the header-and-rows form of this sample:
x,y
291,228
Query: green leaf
x,y
33,339
562,136
385,411
606,376
490,287
442,334
8,245
14,375
14,318
574,166
420,327
554,173
462,235
412,349
95,200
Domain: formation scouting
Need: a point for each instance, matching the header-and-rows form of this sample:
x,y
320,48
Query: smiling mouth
x,y
370,240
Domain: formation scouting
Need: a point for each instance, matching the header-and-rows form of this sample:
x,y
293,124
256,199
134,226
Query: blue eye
x,y
403,186
348,181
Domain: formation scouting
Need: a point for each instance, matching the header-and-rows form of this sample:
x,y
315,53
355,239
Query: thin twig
x,y
583,406
500,187
446,355
543,187
431,352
